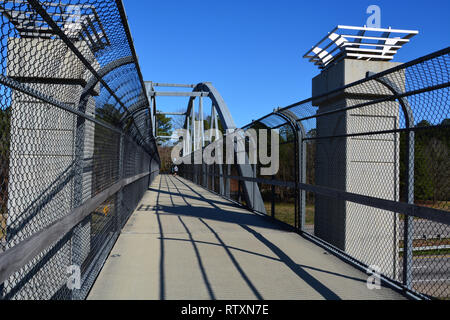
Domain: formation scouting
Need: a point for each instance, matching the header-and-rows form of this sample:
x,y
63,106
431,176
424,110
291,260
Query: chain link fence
x,y
364,171
76,145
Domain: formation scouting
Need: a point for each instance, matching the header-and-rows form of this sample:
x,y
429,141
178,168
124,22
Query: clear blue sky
x,y
252,50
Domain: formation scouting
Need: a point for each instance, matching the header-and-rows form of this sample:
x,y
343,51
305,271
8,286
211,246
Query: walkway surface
x,y
184,242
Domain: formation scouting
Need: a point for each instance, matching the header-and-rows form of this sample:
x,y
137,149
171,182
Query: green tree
x,y
424,184
110,114
423,124
431,165
165,154
164,128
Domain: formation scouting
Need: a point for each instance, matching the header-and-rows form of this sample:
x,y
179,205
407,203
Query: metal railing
x,y
365,172
76,145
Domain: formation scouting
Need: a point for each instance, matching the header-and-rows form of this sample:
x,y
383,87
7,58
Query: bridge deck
x,y
184,242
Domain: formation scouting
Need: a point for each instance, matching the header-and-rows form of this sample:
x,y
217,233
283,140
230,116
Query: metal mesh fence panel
x,y
76,149
364,170
386,139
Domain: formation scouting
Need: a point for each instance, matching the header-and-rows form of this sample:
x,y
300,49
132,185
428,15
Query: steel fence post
x,y
119,199
221,180
302,193
273,198
408,229
227,181
213,177
77,234
254,185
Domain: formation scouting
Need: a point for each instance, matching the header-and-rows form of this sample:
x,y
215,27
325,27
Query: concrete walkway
x,y
184,242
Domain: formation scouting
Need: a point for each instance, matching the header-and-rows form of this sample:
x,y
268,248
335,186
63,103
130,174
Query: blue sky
x,y
252,50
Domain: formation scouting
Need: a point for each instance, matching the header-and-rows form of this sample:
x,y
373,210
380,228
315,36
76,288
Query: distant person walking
x,y
175,171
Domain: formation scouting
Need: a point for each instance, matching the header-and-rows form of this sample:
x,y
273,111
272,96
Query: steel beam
x,y
172,113
177,94
173,85
246,170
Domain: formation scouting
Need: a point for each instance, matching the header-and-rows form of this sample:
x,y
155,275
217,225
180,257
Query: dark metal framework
x,y
75,155
417,214
78,151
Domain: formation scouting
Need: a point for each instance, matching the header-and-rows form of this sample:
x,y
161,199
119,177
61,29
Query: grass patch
x,y
2,227
441,205
285,212
310,212
3,216
428,243
425,253
437,252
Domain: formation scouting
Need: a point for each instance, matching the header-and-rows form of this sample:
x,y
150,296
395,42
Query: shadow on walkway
x,y
244,220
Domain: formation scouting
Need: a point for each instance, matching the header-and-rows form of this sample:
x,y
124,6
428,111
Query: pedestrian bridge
x,y
359,188
184,242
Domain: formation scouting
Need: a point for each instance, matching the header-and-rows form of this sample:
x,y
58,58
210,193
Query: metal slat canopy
x,y
361,43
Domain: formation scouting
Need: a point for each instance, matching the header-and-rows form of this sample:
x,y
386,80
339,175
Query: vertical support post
x,y
152,117
221,180
216,124
227,181
254,183
302,192
77,234
203,175
215,120
273,198
213,178
150,89
188,140
119,199
212,122
211,126
408,229
193,144
202,133
184,146
202,123
194,135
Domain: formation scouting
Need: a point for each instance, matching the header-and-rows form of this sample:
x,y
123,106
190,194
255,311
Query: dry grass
x,y
3,216
285,212
441,205
428,243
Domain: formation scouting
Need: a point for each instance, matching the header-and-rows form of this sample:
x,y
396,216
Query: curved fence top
x,y
77,150
424,81
99,55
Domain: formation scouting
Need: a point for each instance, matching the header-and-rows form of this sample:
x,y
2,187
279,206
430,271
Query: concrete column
x,y
44,142
366,165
